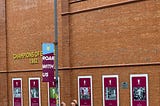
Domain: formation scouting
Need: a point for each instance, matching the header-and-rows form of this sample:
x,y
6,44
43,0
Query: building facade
x,y
96,38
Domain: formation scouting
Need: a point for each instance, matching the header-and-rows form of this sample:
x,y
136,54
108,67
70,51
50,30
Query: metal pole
x,y
56,44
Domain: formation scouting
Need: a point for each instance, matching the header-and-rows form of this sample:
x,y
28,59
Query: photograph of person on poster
x,y
111,93
52,92
85,93
53,95
139,93
17,92
34,93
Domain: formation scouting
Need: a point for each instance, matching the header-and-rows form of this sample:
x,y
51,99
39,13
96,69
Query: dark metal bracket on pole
x,y
56,44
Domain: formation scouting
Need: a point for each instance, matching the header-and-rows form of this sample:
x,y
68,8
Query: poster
x,y
139,89
48,62
17,91
110,90
53,97
34,92
85,91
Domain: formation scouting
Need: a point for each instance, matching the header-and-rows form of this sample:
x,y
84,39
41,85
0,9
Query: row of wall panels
x,y
75,93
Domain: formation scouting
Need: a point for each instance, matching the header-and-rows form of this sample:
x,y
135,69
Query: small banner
x,y
48,62
17,91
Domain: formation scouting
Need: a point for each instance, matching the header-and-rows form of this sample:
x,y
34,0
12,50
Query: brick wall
x,y
95,38
30,23
120,34
2,36
124,76
112,34
84,4
3,89
3,57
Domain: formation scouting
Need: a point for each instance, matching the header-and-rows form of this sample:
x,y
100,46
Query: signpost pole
x,y
56,44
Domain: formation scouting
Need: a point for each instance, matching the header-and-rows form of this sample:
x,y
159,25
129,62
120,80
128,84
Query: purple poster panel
x,y
17,91
85,90
110,90
48,62
34,91
139,90
53,96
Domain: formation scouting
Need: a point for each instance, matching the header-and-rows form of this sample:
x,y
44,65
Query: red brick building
x,y
96,37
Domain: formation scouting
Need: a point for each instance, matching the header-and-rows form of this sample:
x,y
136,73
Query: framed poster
x,y
17,91
85,91
53,97
139,89
110,90
34,92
